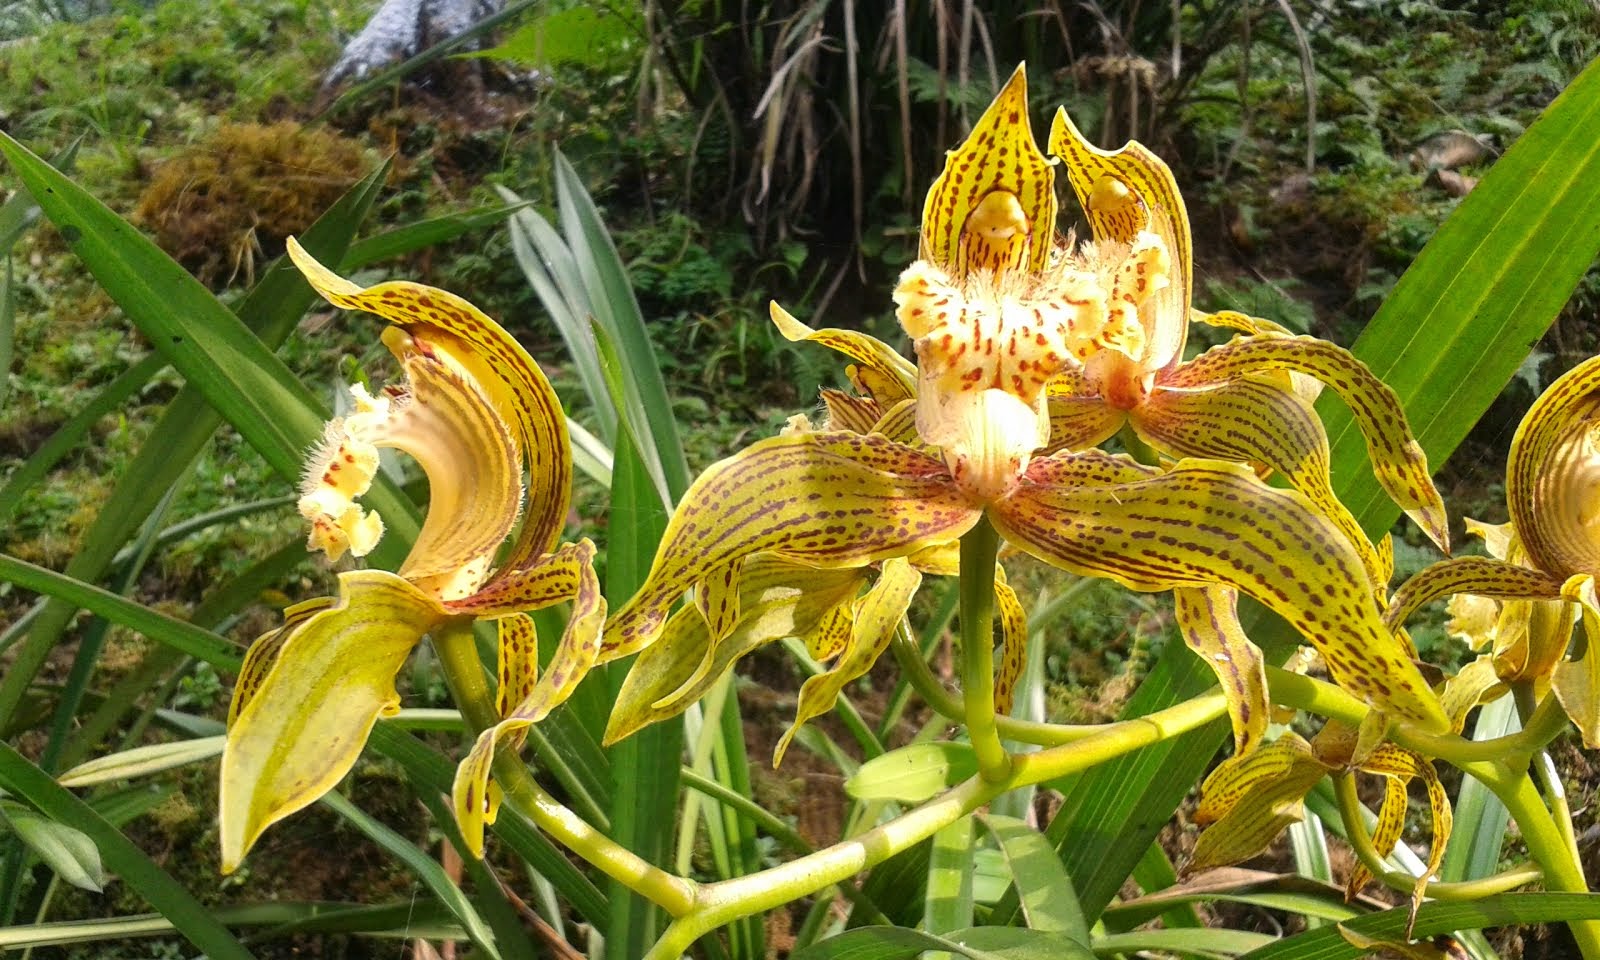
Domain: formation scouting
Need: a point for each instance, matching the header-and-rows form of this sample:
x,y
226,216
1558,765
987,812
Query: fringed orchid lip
x,y
474,411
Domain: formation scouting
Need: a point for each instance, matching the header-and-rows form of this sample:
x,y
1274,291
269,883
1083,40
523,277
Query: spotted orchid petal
x,y
1397,459
1127,194
994,206
1253,420
444,421
1247,801
308,718
443,326
879,372
1208,618
778,599
829,500
1399,766
1481,576
263,653
1013,657
1474,684
526,696
1306,387
874,619
1079,417
1553,475
1209,523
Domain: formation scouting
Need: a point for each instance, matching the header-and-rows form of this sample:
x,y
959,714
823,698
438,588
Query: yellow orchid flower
x,y
1245,805
477,414
1521,602
997,316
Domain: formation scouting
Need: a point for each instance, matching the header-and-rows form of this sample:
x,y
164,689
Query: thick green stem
x,y
728,900
1555,793
979,549
1547,846
915,669
1355,828
458,656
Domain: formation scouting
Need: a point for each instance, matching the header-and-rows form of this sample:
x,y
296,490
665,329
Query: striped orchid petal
x,y
1208,523
1553,475
1397,459
879,372
307,720
1248,801
458,332
825,499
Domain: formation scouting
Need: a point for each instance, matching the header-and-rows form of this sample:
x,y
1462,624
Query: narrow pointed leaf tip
x,y
447,327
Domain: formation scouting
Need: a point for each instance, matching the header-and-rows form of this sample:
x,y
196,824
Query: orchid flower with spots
x,y
999,315
1244,806
1521,602
478,416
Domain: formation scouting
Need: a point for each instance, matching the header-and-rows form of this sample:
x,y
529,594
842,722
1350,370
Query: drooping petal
x,y
309,718
1211,523
567,574
1306,387
994,206
1126,192
1254,798
1553,475
883,374
1473,684
450,325
1385,834
517,661
1498,538
1208,618
1252,420
778,599
824,499
473,796
1013,643
1476,575
1577,678
876,617
263,653
1397,459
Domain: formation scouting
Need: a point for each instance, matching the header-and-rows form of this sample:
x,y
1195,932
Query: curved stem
x,y
458,656
1545,842
1325,699
727,900
1376,862
915,669
979,548
1555,793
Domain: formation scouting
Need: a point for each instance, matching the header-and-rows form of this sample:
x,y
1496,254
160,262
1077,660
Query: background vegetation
x,y
738,153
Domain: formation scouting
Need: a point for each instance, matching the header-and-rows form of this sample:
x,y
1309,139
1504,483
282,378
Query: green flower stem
x,y
458,655
1544,768
915,669
728,900
1549,849
980,546
1355,828
1325,699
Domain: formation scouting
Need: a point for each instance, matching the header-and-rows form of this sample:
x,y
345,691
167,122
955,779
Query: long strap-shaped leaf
x,y
120,855
1452,334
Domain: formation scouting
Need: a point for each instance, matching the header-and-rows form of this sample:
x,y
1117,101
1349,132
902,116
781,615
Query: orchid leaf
x,y
1048,901
975,943
913,773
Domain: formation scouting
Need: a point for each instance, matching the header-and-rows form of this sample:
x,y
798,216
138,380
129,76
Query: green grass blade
x,y
1479,832
1048,900
976,943
1466,321
121,857
8,325
424,867
947,901
1435,917
67,436
1218,943
410,919
423,234
1154,872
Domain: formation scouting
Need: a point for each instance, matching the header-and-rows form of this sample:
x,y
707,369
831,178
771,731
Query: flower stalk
x,y
980,546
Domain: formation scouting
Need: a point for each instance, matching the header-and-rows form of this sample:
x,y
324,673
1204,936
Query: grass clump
x,y
236,195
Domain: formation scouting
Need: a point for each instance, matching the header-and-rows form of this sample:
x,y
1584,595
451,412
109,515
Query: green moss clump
x,y
235,196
